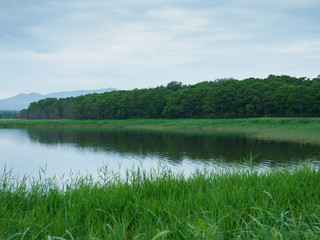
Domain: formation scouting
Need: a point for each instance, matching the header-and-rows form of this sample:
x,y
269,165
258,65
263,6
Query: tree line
x,y
274,96
6,114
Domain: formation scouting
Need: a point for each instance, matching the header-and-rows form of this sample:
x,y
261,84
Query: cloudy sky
x,y
56,45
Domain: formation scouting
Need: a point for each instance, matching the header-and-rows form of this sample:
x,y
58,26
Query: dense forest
x,y
276,96
4,114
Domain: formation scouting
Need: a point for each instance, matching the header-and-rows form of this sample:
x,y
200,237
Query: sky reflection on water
x,y
63,151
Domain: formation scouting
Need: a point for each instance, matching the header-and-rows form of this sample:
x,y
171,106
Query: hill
x,y
22,101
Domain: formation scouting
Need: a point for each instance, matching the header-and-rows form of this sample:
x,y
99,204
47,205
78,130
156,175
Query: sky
x,y
57,45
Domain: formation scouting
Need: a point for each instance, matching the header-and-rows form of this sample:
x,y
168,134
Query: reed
x,y
279,204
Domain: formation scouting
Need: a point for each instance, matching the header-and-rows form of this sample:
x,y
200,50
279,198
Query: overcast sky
x,y
56,45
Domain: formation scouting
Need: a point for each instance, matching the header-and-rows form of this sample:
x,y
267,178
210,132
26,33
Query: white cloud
x,y
153,42
300,47
180,20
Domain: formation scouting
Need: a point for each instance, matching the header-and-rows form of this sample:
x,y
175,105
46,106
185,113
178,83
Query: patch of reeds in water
x,y
244,204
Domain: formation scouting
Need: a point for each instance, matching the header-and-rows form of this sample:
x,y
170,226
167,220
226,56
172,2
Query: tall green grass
x,y
280,204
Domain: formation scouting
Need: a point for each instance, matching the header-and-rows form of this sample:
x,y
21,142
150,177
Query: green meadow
x,y
290,129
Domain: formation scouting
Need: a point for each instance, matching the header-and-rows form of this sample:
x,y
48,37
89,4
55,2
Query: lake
x,y
63,152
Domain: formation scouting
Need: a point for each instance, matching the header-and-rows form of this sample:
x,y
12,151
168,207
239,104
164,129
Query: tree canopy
x,y
278,96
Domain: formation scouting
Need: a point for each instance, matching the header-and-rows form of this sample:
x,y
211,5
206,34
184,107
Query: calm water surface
x,y
63,151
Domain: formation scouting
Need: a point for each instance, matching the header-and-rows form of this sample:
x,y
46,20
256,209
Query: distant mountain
x,y
22,101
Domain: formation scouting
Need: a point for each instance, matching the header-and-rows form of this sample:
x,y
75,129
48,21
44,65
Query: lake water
x,y
63,151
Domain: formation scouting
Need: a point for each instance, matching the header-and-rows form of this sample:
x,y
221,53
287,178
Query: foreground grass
x,y
292,129
281,204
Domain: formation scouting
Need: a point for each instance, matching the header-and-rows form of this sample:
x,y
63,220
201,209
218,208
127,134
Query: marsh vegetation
x,y
292,129
244,204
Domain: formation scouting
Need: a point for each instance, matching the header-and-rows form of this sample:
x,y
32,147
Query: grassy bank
x,y
293,129
280,204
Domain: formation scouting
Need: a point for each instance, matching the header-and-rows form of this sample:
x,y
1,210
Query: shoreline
x,y
306,130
